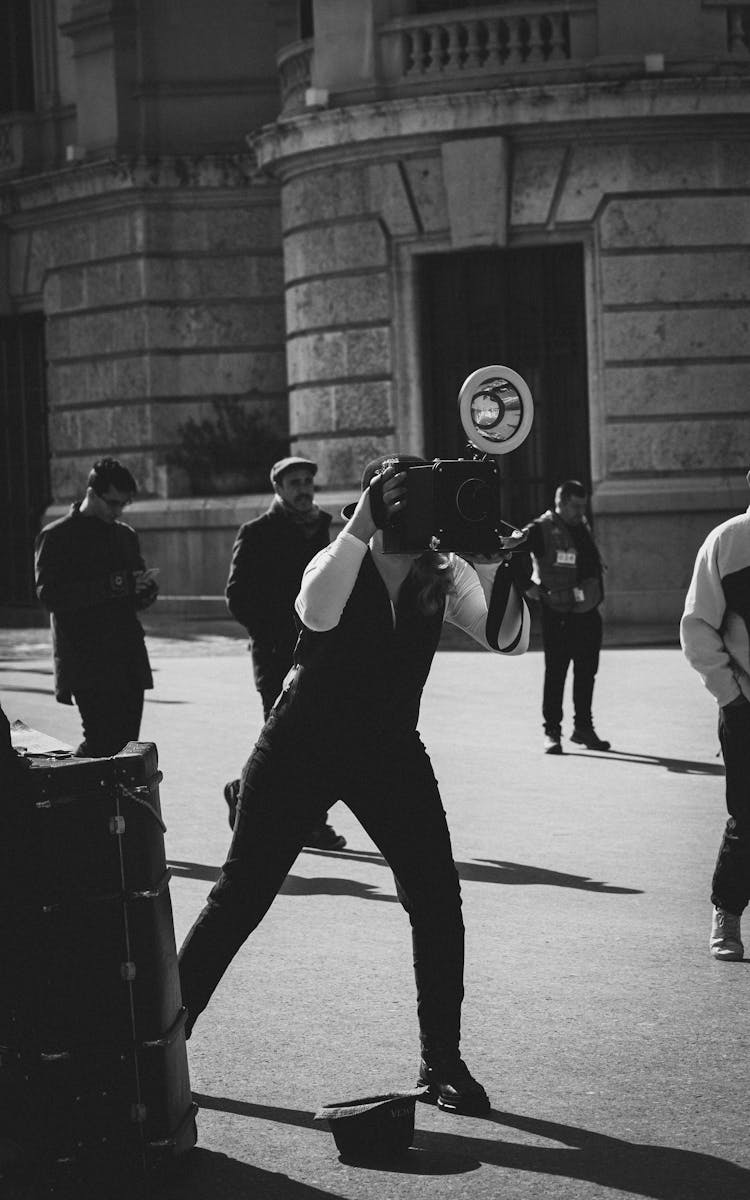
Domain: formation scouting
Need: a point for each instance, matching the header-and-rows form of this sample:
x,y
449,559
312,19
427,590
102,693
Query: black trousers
x,y
576,638
111,717
730,888
396,799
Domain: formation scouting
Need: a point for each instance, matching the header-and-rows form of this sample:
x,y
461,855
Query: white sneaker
x,y
726,941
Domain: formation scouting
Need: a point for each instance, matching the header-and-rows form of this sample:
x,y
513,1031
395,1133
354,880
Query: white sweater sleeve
x,y
327,582
702,622
469,607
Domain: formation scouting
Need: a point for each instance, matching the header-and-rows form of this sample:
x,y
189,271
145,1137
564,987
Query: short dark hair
x,y
107,473
571,487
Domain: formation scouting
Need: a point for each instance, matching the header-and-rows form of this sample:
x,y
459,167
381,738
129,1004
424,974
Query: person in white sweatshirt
x,y
715,637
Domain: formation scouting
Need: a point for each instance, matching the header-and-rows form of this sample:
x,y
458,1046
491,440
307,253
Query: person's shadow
x,y
655,1172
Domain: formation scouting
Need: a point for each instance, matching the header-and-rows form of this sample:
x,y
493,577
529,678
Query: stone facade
x,y
178,266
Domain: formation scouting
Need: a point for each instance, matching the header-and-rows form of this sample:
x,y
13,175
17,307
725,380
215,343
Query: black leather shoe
x,y
451,1086
232,795
324,837
587,738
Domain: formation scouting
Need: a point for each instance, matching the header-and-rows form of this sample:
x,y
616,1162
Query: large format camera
x,y
454,503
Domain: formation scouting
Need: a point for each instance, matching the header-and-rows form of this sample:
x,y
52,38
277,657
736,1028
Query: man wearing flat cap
x,y
269,556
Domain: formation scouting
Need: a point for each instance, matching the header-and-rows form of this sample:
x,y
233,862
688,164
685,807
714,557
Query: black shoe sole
x,y
471,1107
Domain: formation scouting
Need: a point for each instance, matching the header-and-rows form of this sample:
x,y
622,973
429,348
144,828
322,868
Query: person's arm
x,y
329,578
247,585
702,620
59,592
488,604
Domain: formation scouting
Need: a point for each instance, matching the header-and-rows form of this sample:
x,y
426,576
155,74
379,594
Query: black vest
x,y
360,683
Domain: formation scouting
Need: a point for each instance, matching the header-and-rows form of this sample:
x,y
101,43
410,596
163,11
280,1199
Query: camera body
x,y
451,504
454,503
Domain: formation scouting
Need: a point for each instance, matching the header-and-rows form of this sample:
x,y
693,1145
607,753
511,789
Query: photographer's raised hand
x,y
379,503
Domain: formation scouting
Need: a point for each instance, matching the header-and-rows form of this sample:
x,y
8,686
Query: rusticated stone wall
x,y
162,288
662,212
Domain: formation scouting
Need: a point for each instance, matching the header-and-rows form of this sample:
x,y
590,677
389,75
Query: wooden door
x,y
524,308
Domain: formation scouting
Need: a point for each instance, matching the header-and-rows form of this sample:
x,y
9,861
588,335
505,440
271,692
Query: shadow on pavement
x,y
293,885
494,871
678,766
483,871
652,1171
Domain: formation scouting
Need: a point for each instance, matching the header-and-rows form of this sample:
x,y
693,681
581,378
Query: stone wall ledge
x,y
352,129
710,493
206,512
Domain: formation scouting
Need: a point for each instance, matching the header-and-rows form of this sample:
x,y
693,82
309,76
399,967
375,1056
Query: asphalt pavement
x,y
613,1047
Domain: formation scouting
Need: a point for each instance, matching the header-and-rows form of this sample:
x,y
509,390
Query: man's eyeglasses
x,y
114,503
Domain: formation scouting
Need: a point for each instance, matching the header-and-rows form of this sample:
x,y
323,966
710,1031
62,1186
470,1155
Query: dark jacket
x,y
567,562
268,559
84,577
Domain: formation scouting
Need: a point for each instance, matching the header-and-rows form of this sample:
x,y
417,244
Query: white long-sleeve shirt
x,y
330,576
715,626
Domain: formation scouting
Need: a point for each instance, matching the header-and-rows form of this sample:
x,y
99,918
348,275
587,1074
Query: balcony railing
x,y
520,41
482,41
294,65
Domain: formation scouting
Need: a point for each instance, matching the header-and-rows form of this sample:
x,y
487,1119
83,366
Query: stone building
x,y
329,213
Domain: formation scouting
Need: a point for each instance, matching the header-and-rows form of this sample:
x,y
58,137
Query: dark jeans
x,y
730,888
576,638
111,717
396,799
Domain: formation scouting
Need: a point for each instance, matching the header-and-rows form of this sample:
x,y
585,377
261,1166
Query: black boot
x,y
451,1086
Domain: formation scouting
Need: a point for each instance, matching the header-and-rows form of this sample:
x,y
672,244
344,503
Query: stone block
x,y
68,473
425,175
475,175
18,258
389,197
100,429
324,194
339,355
676,390
676,334
212,229
596,170
223,276
698,277
176,326
535,174
679,447
334,248
341,460
337,300
675,221
223,373
341,408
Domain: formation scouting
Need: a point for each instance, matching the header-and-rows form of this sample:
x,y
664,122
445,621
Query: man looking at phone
x,y
91,578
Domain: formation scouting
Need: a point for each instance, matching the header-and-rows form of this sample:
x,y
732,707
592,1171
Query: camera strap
x,y
504,580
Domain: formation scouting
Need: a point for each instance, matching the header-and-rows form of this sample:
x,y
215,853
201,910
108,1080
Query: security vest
x,y
557,569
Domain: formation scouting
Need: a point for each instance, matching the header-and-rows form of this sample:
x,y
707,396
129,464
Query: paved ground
x,y
614,1048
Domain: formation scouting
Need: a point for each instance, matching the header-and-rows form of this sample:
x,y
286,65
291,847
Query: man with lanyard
x,y
568,583
269,557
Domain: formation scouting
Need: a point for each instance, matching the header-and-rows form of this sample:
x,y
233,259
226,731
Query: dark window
x,y
16,58
522,308
306,28
24,459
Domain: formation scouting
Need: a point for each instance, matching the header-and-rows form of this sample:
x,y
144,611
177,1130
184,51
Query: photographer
x,y
345,725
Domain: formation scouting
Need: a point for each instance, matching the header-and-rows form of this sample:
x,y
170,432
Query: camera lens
x,y
474,500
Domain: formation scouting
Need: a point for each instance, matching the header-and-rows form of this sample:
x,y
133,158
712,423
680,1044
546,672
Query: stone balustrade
x,y
738,29
482,40
294,64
